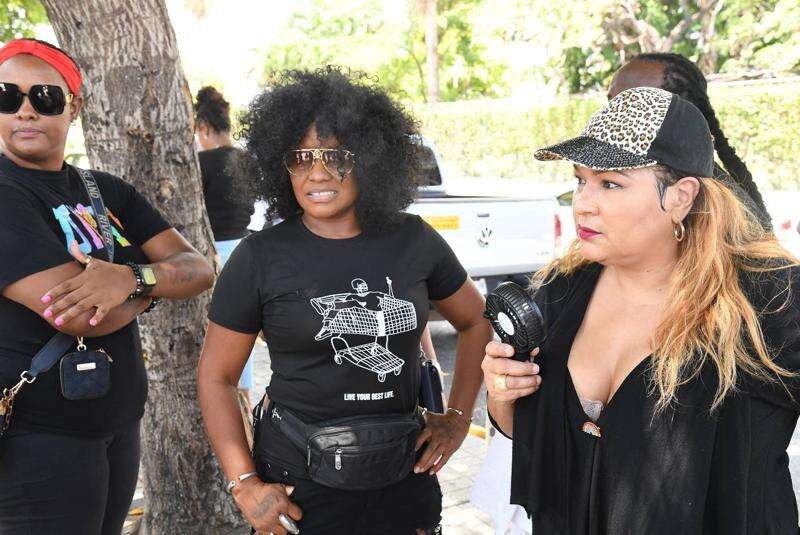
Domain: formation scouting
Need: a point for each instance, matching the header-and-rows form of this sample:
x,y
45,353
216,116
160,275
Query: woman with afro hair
x,y
341,291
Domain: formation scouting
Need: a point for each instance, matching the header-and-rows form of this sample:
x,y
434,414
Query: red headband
x,y
55,58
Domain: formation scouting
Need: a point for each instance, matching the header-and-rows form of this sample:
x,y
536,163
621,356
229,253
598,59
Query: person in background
x,y
70,466
228,207
677,74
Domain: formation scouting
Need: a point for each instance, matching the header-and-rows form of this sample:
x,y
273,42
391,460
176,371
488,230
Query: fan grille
x,y
513,301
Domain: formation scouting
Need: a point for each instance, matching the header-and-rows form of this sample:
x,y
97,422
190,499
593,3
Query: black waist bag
x,y
354,453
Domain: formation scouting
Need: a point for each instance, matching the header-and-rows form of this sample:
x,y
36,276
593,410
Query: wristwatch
x,y
145,279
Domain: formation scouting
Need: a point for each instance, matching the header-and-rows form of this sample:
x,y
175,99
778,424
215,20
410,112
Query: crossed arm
x,y
92,300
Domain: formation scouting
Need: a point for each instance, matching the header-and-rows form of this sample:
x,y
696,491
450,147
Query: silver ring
x,y
289,524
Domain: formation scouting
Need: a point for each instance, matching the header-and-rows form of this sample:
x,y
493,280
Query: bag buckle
x,y
7,401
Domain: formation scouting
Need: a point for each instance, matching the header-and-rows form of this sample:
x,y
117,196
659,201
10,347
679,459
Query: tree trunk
x,y
432,50
707,61
137,124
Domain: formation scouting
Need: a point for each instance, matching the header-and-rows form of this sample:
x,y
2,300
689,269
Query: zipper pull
x,y
338,459
308,456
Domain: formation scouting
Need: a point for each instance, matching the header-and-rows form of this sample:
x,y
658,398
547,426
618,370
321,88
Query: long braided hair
x,y
683,77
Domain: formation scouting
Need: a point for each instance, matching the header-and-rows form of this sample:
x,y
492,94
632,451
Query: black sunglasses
x,y
46,99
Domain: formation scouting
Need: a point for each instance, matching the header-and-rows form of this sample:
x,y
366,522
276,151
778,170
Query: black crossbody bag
x,y
84,374
356,452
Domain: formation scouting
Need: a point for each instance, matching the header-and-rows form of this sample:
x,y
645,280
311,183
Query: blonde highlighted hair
x,y
707,316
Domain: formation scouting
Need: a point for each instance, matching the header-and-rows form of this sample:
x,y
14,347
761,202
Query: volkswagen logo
x,y
484,237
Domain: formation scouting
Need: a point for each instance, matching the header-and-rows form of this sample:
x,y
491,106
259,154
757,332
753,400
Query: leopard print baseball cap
x,y
641,127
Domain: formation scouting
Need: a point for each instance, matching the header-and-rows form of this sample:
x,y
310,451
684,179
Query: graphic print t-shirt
x,y
41,213
342,318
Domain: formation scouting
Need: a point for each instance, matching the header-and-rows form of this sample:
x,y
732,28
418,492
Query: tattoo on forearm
x,y
183,275
179,270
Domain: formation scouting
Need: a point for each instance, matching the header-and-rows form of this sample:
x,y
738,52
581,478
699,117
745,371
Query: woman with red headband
x,y
77,270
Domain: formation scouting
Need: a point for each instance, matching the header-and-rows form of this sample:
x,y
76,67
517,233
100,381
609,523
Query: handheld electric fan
x,y
516,318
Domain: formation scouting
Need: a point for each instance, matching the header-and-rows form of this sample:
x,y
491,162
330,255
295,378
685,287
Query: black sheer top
x,y
685,471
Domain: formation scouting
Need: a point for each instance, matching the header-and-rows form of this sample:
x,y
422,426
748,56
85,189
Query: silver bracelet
x,y
232,483
459,412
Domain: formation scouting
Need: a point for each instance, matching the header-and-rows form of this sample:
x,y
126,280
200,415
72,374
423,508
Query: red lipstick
x,y
586,233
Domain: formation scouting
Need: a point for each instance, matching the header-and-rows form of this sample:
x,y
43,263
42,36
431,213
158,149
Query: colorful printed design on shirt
x,y
365,313
87,234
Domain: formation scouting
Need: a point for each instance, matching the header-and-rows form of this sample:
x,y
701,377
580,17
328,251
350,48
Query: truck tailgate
x,y
494,235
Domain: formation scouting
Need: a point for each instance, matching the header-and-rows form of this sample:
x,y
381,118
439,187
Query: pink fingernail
x,y
46,299
93,322
48,313
59,321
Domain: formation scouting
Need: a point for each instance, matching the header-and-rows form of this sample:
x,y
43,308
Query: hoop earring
x,y
679,231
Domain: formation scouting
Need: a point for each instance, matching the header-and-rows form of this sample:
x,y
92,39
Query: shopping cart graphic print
x,y
366,313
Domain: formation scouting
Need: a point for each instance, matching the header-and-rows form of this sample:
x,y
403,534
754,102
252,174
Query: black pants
x,y
52,483
399,509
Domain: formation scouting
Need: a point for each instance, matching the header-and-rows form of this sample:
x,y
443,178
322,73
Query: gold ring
x,y
501,382
88,260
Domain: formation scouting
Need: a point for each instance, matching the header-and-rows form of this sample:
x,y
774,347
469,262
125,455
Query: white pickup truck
x,y
495,238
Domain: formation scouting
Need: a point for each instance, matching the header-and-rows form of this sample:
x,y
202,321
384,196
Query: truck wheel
x,y
381,377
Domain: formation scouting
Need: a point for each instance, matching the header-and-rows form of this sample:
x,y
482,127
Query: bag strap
x,y
55,348
99,210
290,425
42,361
49,354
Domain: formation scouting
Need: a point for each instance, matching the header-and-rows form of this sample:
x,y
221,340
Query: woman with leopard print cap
x,y
665,392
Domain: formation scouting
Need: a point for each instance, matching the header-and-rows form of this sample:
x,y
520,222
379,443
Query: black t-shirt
x,y
342,318
229,215
684,470
41,212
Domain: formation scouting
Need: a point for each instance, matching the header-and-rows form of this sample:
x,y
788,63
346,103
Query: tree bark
x,y
707,61
138,125
432,50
